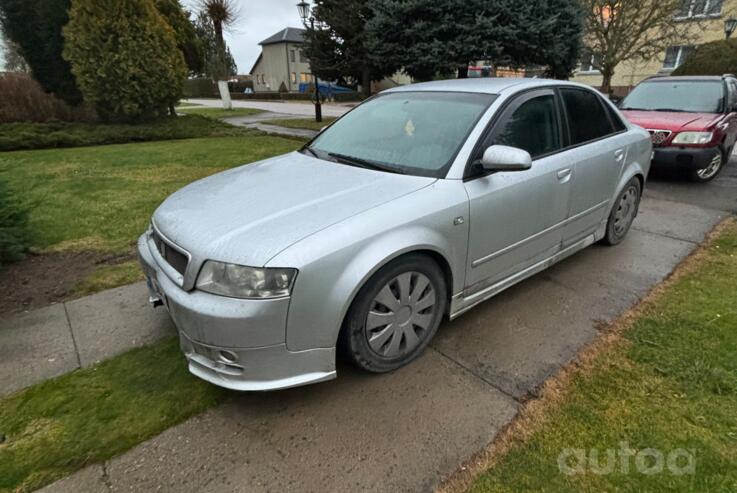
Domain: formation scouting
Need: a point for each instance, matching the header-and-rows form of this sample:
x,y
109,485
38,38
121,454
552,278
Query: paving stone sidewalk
x,y
61,338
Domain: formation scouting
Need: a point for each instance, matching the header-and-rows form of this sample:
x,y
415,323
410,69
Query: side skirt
x,y
462,303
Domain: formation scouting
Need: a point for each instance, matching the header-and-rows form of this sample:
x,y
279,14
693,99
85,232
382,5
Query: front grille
x,y
659,136
173,257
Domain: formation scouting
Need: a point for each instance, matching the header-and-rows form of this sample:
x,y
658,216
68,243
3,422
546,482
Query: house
x,y
281,62
710,13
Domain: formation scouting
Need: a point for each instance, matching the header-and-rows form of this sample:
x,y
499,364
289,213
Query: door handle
x,y
564,174
619,154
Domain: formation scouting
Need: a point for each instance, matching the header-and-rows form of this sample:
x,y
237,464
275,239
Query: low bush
x,y
26,136
715,58
14,239
200,88
23,100
285,96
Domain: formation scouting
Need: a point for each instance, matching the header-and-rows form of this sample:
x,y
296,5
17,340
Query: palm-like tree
x,y
223,14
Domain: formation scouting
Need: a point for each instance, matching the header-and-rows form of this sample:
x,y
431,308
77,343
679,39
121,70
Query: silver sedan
x,y
417,205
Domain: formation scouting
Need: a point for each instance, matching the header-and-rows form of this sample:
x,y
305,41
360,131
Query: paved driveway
x,y
407,430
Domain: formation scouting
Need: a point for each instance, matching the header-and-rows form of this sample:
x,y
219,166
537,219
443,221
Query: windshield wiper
x,y
670,110
364,163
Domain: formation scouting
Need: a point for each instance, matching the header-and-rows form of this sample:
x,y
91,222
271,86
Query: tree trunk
x,y
606,83
463,71
366,82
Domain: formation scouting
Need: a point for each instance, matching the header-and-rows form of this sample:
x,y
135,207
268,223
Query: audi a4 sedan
x,y
417,205
692,121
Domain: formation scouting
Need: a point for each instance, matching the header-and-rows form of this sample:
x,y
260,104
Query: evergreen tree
x,y
125,58
429,39
35,27
187,39
337,48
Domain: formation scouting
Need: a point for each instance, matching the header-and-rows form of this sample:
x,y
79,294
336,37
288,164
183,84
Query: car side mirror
x,y
504,158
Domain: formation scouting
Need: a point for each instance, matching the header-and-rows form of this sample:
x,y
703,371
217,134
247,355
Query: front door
x,y
516,217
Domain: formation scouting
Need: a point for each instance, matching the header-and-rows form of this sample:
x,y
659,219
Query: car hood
x,y
673,121
249,214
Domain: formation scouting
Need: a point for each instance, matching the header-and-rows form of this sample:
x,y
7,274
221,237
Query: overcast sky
x,y
259,19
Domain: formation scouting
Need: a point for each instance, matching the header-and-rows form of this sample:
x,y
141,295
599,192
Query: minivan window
x,y
532,127
689,96
416,133
587,118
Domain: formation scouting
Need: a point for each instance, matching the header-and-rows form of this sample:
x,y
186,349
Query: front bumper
x,y
689,158
233,343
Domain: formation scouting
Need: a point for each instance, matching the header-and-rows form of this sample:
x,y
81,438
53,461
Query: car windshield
x,y
416,133
680,96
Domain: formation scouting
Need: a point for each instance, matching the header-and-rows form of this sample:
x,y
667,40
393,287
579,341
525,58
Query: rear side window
x,y
587,118
619,126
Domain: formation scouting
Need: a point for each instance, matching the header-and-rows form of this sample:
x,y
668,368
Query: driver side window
x,y
533,127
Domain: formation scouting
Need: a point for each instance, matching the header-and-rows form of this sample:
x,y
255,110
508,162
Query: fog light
x,y
228,357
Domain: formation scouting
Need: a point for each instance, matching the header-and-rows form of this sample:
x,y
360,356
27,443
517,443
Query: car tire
x,y
395,314
625,209
712,171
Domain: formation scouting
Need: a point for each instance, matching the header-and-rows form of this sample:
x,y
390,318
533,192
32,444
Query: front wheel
x,y
623,213
395,315
711,171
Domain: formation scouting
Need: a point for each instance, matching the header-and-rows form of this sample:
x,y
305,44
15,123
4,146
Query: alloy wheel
x,y
401,315
713,168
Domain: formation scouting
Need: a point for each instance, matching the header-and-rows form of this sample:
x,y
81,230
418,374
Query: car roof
x,y
486,85
688,78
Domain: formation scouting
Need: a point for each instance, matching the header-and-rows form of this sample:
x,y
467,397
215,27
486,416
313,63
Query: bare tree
x,y
619,30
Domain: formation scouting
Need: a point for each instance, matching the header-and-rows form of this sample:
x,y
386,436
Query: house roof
x,y
287,35
256,63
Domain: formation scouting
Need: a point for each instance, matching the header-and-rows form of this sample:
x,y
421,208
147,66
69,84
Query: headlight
x,y
238,281
693,138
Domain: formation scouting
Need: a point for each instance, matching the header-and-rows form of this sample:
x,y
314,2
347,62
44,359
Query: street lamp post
x,y
729,26
304,13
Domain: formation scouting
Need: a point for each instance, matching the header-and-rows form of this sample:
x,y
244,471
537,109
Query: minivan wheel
x,y
395,314
711,171
623,213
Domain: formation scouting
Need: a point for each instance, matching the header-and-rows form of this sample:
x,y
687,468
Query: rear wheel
x,y
395,315
711,171
623,213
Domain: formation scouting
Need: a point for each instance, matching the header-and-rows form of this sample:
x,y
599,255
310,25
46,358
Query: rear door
x,y
516,217
598,152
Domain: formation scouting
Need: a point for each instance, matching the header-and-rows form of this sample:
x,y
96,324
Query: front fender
x,y
335,264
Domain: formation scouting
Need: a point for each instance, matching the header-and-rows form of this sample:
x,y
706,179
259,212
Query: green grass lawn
x,y
218,113
26,136
56,427
101,198
305,123
670,383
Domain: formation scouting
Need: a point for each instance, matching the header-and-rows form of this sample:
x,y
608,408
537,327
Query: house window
x,y
590,62
302,57
675,56
292,56
304,77
294,78
699,8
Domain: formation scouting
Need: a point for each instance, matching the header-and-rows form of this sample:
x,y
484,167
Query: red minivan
x,y
692,121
